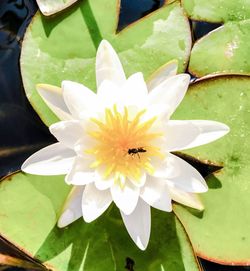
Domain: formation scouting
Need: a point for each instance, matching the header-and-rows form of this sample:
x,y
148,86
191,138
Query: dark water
x,y
21,130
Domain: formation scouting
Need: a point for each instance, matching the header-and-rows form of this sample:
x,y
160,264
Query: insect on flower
x,y
134,151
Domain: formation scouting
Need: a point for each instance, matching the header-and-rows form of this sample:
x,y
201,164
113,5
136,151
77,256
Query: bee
x,y
135,151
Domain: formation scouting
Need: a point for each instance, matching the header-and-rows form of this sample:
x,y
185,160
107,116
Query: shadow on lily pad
x,y
105,245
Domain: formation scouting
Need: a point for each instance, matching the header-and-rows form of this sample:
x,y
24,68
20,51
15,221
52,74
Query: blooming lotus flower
x,y
115,145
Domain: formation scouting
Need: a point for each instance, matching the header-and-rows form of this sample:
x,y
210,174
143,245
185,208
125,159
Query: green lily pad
x,y
31,204
224,50
64,47
217,11
221,233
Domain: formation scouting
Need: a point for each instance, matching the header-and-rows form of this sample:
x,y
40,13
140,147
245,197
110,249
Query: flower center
x,y
124,144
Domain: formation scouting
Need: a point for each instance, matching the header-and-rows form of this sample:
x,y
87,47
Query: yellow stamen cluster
x,y
124,146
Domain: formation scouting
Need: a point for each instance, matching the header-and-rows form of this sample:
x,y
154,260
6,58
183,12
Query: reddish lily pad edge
x,y
71,8
29,259
198,253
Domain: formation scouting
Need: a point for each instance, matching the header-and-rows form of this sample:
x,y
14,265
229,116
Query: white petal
x,y
165,71
162,168
85,143
125,198
108,65
188,199
54,159
100,183
94,202
104,184
134,91
183,176
52,96
186,134
180,134
49,7
161,111
155,193
209,131
72,209
80,173
139,182
78,98
108,94
138,224
67,132
170,92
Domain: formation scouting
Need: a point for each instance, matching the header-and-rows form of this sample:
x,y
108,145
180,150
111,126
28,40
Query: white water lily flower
x,y
116,145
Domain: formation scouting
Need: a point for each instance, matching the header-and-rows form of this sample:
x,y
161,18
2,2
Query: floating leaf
x,y
221,233
31,204
225,49
64,47
217,11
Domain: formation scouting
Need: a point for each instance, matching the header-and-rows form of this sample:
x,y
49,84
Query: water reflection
x,y
21,131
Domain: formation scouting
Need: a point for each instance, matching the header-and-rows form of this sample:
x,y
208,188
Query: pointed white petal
x,y
180,134
108,94
78,98
125,198
48,7
72,209
161,111
52,96
155,193
170,92
54,159
138,224
186,134
85,143
67,132
94,202
162,168
104,184
108,65
100,182
209,131
139,182
134,91
165,71
183,176
188,199
80,173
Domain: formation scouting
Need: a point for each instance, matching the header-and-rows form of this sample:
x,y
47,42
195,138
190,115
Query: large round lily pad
x,y
224,50
221,233
31,204
64,47
217,11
